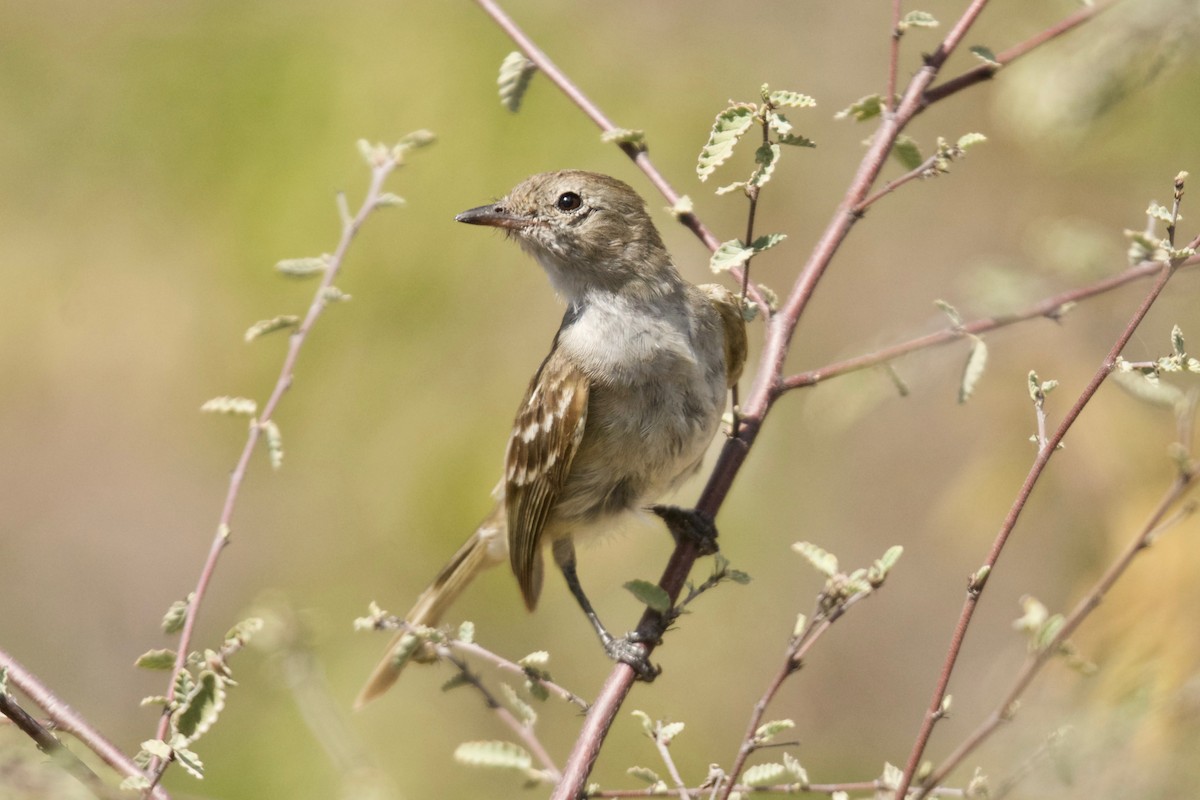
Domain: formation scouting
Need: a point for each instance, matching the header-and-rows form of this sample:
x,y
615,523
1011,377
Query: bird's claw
x,y
690,524
629,649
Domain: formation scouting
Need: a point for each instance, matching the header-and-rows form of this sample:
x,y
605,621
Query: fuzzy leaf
x,y
303,267
523,710
156,659
157,748
907,152
792,765
516,71
973,371
728,127
826,563
199,709
764,774
985,55
274,443
241,633
950,311
970,139
230,405
795,140
538,659
729,255
493,754
265,326
172,621
862,109
636,138
669,731
651,594
1177,343
918,19
784,99
466,632
644,774
768,730
189,761
766,156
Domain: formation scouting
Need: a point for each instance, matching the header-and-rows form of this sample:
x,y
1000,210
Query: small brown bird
x,y
621,410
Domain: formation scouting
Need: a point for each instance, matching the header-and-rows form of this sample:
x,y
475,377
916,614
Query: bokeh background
x,y
156,159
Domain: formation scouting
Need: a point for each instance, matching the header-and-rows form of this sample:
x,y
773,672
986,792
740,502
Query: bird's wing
x,y
543,443
733,323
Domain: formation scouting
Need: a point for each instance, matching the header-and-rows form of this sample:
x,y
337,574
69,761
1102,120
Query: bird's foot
x,y
630,649
690,524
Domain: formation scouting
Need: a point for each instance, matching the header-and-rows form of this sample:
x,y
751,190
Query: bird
x,y
621,410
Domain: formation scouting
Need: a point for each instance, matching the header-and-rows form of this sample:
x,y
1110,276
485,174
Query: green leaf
x,y
1149,389
764,774
389,200
332,294
230,405
907,152
199,709
795,141
728,127
466,632
263,326
1177,343
779,123
768,730
651,594
414,140
644,774
493,754
636,138
973,371
729,255
669,731
766,156
792,765
644,719
156,659
862,109
766,242
523,710
157,748
538,659
785,99
172,621
950,311
274,443
1161,213
985,55
918,19
188,760
516,71
824,562
303,267
970,139
135,783
241,633
892,775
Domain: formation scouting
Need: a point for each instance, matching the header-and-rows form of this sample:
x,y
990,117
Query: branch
x,y
383,161
984,72
1051,308
68,719
979,579
1090,601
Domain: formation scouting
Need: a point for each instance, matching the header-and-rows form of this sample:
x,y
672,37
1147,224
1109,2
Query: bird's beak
x,y
495,215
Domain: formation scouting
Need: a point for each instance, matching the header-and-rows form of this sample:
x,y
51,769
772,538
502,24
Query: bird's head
x,y
586,230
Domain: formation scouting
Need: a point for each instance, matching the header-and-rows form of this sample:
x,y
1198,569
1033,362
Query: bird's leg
x,y
628,649
690,524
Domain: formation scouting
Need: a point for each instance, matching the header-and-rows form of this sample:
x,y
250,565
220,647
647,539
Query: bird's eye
x,y
568,201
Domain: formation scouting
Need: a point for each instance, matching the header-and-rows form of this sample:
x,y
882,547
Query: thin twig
x,y
773,789
1039,465
1050,308
69,720
889,99
520,730
664,752
503,663
379,172
917,172
1087,604
985,72
794,656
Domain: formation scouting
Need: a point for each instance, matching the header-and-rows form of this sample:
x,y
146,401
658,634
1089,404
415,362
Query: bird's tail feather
x,y
485,548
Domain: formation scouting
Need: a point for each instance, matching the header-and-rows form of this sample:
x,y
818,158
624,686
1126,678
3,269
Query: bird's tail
x,y
486,547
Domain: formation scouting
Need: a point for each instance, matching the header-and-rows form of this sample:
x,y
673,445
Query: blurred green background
x,y
156,159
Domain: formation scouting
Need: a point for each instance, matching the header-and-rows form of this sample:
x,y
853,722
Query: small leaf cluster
x,y
908,153
840,587
199,695
516,71
1043,628
735,121
976,357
